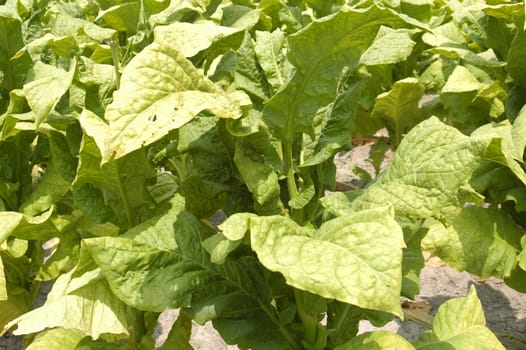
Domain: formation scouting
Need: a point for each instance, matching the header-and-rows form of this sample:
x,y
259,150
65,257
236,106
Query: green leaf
x,y
410,182
57,338
378,340
167,250
483,241
338,122
46,89
258,175
515,58
122,17
270,50
91,309
62,24
179,335
161,91
13,68
192,38
389,47
518,130
122,181
502,149
460,324
26,226
18,302
248,75
58,175
398,108
355,259
319,53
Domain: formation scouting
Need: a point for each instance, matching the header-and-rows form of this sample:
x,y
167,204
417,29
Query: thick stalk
x,y
309,321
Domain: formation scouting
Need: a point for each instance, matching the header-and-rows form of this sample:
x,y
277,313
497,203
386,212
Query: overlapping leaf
x,y
161,91
354,258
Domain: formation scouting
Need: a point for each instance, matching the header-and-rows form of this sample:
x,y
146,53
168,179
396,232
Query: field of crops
x,y
126,125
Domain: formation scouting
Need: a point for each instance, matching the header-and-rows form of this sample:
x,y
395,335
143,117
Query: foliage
x,y
128,128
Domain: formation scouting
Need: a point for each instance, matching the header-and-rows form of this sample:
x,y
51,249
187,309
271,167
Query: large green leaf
x,y
428,176
122,181
515,58
167,250
483,241
399,108
355,258
91,308
459,325
319,53
13,69
161,91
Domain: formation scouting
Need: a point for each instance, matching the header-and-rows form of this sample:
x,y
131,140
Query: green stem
x,y
124,198
309,321
297,215
115,56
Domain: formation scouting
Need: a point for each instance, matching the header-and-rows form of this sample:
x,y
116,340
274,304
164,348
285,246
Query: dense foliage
x,y
127,125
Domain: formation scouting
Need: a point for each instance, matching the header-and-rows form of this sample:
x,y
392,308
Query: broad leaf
x,y
483,241
92,309
410,183
460,324
192,38
127,194
319,64
3,286
179,335
340,260
161,91
13,69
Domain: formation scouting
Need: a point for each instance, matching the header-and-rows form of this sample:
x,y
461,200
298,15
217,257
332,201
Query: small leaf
x,y
179,335
48,86
398,108
390,46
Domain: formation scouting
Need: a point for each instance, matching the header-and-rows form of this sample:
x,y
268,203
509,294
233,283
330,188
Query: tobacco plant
x,y
177,154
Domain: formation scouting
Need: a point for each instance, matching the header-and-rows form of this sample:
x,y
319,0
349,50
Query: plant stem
x,y
297,215
115,56
309,321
